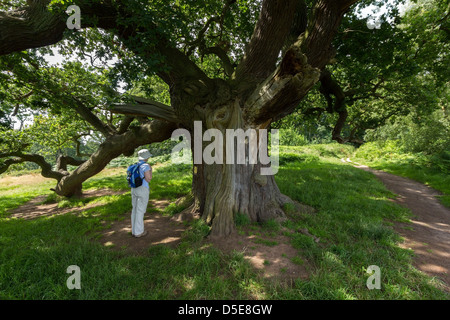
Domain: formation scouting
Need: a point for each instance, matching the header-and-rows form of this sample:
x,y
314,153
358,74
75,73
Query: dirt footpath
x,y
429,234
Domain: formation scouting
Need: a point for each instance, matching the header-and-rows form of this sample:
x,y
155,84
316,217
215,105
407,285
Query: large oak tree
x,y
265,64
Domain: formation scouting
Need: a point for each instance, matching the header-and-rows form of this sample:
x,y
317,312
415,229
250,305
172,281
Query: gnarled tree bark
x,y
223,190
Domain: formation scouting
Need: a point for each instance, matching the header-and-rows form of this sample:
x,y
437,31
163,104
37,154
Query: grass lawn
x,y
353,221
16,190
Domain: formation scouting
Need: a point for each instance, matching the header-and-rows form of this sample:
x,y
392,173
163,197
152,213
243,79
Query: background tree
x,y
406,64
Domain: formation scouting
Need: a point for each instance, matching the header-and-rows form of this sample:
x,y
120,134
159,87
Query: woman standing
x,y
139,195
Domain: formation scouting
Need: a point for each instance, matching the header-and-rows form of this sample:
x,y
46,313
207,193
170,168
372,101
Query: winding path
x,y
429,234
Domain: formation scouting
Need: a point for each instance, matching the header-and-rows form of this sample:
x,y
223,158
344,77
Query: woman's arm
x,y
148,175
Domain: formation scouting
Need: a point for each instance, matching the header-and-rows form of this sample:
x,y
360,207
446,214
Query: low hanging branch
x,y
19,157
330,87
9,162
63,161
69,183
112,147
147,107
46,168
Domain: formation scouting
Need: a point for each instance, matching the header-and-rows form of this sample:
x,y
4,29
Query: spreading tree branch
x,y
78,145
63,161
199,41
200,37
222,55
273,25
35,26
300,67
112,147
46,168
29,27
125,124
147,107
91,118
323,26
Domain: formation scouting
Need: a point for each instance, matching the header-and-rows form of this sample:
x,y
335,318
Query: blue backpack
x,y
134,176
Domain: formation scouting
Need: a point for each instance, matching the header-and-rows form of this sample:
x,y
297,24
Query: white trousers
x,y
139,200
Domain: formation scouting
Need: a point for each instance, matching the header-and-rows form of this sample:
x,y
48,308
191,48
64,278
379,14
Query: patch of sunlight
x,y
343,294
333,258
85,214
188,283
106,199
109,244
376,198
254,289
206,246
399,291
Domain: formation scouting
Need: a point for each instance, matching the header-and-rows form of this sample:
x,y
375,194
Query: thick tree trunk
x,y
223,190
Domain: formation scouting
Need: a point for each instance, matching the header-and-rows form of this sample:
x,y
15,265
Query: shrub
x,y
287,157
379,150
290,137
392,151
428,134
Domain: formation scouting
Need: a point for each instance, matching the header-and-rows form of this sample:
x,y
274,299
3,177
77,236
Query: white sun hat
x,y
144,154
